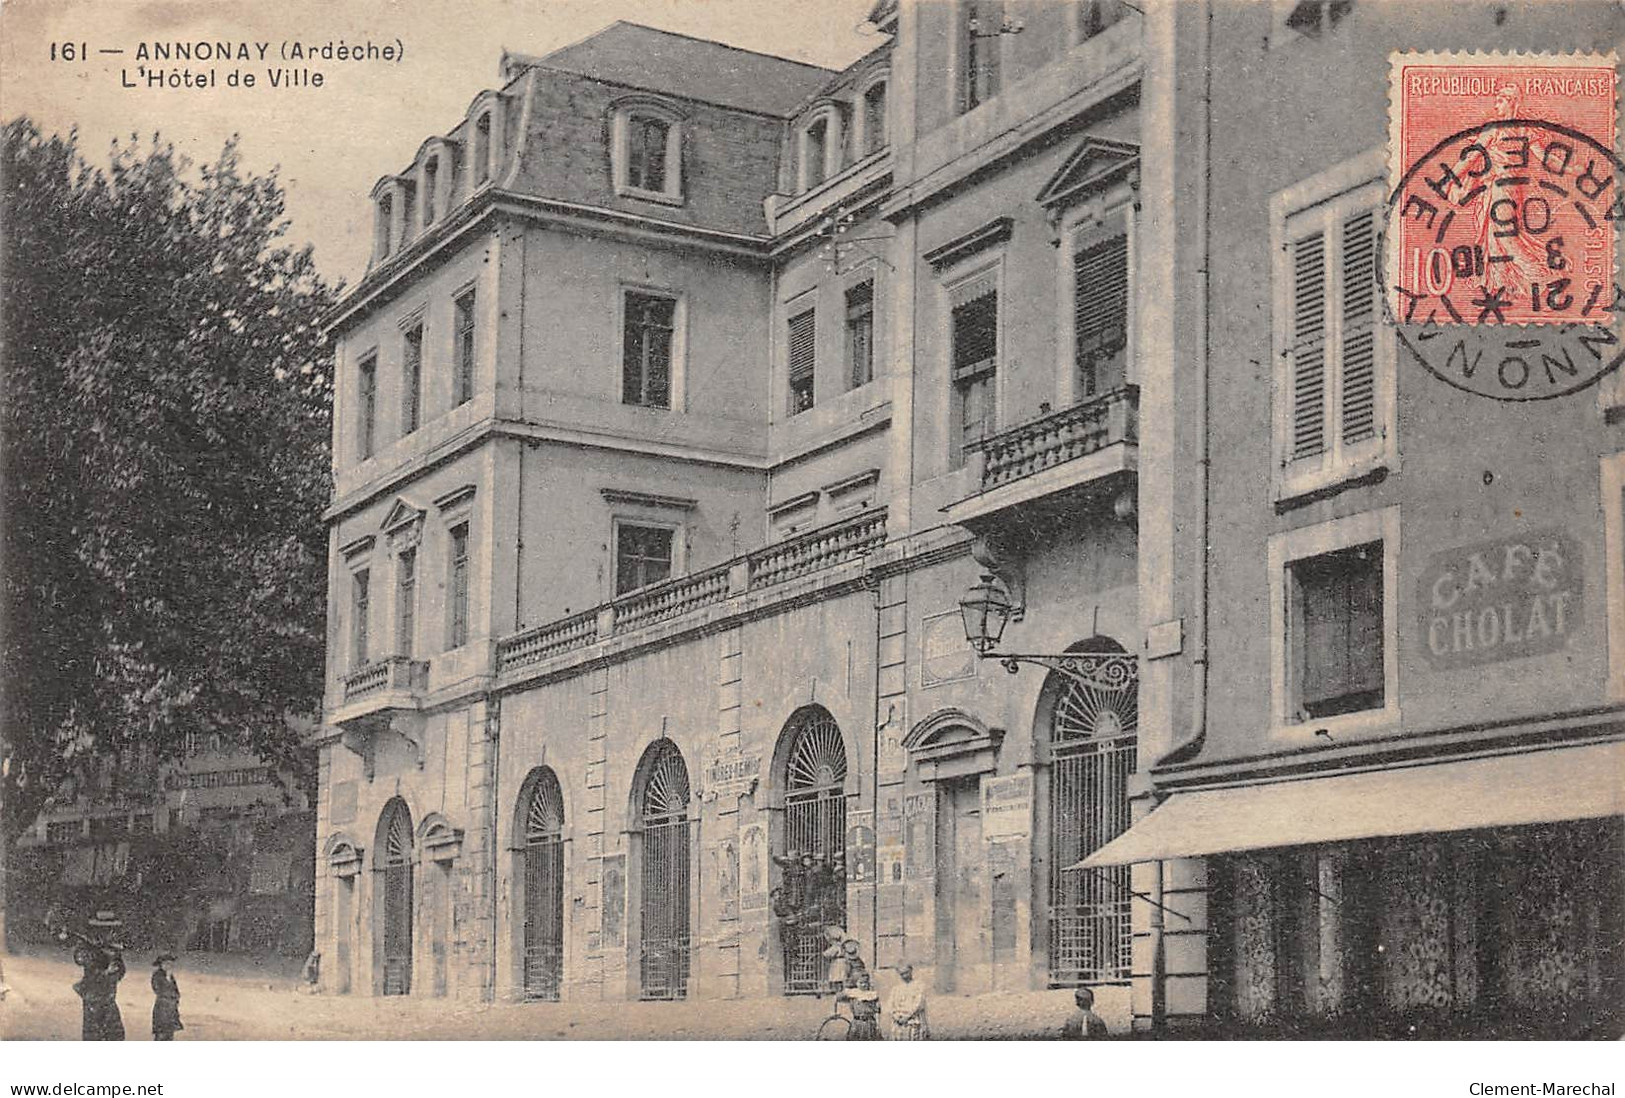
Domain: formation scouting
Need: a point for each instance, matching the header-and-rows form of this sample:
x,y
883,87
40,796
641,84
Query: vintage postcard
x,y
877,520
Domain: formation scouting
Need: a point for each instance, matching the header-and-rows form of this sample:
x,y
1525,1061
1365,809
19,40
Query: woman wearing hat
x,y
98,988
166,1006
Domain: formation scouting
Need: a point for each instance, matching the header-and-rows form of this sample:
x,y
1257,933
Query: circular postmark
x,y
1500,260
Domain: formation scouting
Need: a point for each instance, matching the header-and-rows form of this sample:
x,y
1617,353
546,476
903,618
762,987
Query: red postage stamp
x,y
1506,200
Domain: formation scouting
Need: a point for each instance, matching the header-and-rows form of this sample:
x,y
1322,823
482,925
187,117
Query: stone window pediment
x,y
439,840
952,743
1097,164
403,525
344,857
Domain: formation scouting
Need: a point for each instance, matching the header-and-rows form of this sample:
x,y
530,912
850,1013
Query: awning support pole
x,y
1137,895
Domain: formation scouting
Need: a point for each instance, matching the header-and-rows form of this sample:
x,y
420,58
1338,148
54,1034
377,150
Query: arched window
x,y
812,891
394,863
874,117
646,150
1091,754
386,219
664,899
542,867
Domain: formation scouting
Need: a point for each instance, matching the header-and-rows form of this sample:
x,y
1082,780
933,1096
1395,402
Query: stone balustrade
x,y
389,673
1059,437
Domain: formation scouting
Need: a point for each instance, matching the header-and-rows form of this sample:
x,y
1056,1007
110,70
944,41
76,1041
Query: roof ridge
x,y
692,38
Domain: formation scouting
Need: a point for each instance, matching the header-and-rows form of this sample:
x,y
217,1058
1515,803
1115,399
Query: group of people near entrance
x,y
850,983
101,962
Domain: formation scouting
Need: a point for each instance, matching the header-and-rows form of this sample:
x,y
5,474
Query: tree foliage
x,y
165,457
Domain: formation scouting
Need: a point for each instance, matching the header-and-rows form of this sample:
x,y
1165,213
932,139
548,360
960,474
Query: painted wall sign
x,y
945,655
725,874
1007,805
893,755
860,848
920,835
754,868
732,774
1507,599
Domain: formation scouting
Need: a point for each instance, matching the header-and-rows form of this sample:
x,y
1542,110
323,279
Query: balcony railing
x,y
811,552
388,674
1060,437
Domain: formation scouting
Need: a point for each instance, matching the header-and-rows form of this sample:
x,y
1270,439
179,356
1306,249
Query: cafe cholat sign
x,y
1507,599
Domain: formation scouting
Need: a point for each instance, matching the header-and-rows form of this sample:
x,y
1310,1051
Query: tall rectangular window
x,y
1337,615
464,349
457,596
860,334
1333,404
646,344
642,556
1100,314
386,225
803,345
406,602
359,613
367,414
646,153
980,28
412,379
975,364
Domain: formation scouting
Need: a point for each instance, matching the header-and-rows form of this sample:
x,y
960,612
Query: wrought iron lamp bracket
x,y
1113,671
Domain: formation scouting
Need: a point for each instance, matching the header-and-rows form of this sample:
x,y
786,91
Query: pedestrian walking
x,y
166,1003
98,990
1084,1024
908,1008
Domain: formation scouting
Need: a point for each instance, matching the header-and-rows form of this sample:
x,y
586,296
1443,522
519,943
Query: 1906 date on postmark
x,y
1501,249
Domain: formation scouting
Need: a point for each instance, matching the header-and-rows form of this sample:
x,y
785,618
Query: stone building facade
x,y
688,392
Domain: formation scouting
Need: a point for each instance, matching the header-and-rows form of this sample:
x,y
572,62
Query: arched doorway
x,y
541,824
812,891
1090,747
662,803
394,865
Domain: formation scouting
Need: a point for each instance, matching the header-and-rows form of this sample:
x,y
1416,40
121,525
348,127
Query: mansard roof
x,y
690,68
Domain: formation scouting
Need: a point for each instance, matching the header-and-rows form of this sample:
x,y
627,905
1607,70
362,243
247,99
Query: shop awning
x,y
1545,786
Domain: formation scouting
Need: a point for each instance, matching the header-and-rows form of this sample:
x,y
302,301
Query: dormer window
x,y
874,118
482,149
386,217
431,190
814,151
647,153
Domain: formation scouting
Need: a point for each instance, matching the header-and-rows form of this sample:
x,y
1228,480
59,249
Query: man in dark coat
x,y
166,1004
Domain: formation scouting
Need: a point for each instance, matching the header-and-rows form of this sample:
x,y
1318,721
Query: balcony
x,y
764,571
386,694
1089,446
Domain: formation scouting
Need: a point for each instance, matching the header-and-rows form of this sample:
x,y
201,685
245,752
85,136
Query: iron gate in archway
x,y
1092,755
398,902
664,899
813,886
544,889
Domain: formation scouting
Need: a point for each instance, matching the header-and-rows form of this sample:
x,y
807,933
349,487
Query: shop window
x,y
643,555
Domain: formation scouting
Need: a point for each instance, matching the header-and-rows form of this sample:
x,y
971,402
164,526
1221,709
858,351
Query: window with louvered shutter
x,y
975,360
359,614
1100,315
1334,387
1340,660
860,334
803,360
1358,406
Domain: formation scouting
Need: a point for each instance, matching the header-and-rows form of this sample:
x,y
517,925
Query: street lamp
x,y
985,611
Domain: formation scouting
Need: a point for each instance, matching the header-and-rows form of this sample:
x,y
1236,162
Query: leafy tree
x,y
164,461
